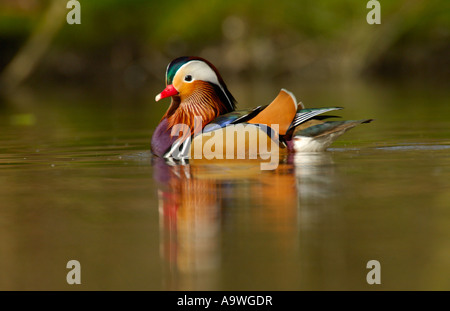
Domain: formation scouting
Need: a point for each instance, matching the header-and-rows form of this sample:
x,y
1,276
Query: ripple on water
x,y
400,147
415,147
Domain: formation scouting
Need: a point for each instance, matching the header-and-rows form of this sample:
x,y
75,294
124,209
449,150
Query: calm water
x,y
77,181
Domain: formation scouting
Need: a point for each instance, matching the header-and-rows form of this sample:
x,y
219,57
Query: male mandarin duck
x,y
200,94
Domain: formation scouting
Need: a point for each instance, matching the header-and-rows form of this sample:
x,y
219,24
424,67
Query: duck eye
x,y
188,78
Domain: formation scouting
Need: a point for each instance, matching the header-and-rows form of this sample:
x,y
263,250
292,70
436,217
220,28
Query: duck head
x,y
197,90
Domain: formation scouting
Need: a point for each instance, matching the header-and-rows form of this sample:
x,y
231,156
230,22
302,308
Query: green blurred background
x,y
127,44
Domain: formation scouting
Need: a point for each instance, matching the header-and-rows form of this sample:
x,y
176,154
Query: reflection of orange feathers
x,y
189,242
198,197
193,200
276,192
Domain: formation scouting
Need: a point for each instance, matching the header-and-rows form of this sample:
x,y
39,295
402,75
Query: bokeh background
x,y
127,44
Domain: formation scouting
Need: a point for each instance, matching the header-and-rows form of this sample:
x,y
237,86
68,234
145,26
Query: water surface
x,y
77,181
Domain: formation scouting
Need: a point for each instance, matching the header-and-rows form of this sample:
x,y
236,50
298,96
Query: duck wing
x,y
320,129
303,115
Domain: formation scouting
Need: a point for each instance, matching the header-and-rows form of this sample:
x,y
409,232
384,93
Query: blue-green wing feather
x,y
245,115
307,114
232,118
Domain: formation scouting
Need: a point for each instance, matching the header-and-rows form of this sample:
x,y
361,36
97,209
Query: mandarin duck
x,y
202,102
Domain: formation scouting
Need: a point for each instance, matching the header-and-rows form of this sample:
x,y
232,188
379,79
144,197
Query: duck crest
x,y
174,65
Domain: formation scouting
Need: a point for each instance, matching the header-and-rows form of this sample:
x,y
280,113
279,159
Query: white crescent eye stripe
x,y
199,71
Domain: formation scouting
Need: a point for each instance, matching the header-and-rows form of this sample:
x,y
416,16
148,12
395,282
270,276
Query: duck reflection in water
x,y
190,218
197,203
